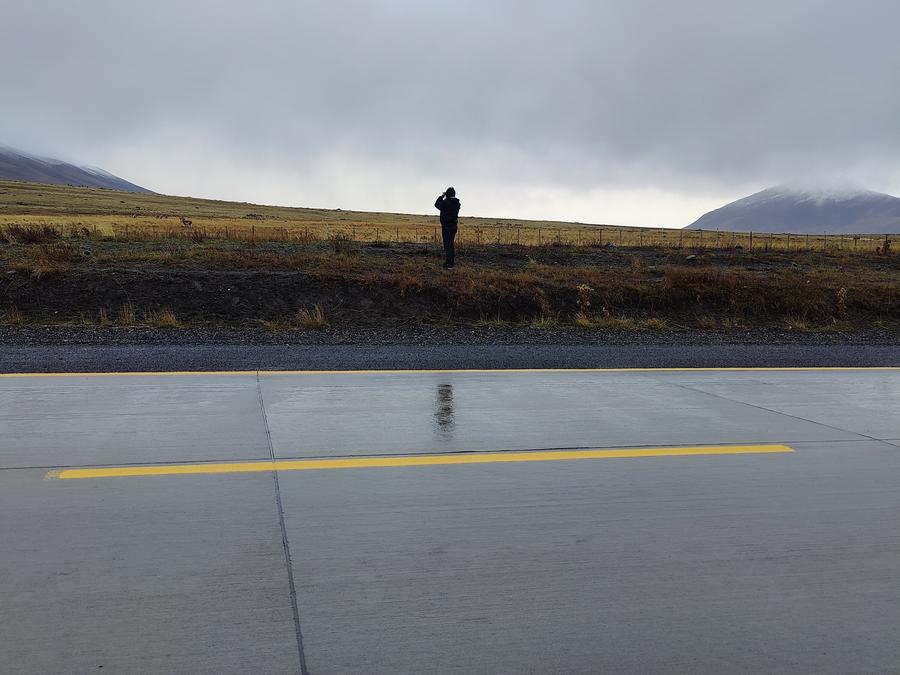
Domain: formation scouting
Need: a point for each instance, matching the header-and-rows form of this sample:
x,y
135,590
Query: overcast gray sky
x,y
646,112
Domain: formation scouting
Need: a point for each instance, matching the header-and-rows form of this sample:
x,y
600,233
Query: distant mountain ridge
x,y
801,211
17,165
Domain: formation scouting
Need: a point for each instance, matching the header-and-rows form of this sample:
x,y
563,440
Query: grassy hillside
x,y
74,210
103,258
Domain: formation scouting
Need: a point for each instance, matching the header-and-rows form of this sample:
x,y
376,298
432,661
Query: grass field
x,y
101,258
79,211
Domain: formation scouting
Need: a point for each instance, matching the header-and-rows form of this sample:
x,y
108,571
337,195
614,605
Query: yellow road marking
x,y
564,370
254,373
407,460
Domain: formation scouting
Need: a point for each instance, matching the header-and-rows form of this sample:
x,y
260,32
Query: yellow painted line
x,y
135,374
407,460
254,373
561,370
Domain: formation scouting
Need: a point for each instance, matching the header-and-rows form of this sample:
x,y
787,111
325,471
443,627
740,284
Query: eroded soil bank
x,y
241,285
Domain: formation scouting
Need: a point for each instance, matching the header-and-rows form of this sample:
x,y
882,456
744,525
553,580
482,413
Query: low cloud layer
x,y
635,111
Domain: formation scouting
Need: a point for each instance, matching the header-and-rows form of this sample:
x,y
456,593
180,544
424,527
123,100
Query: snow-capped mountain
x,y
17,165
791,209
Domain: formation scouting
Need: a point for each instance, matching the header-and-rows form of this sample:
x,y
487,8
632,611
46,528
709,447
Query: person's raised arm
x,y
439,203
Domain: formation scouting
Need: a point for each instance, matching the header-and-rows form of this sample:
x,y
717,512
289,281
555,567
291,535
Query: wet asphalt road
x,y
761,561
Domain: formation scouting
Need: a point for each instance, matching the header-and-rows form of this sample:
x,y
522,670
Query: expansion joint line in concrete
x,y
284,537
779,412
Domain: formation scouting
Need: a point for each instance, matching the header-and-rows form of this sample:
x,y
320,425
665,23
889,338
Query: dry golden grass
x,y
84,212
622,323
45,260
543,322
164,318
126,316
582,320
311,319
11,317
336,270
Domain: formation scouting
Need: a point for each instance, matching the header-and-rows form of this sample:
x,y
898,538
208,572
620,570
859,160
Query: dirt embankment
x,y
241,284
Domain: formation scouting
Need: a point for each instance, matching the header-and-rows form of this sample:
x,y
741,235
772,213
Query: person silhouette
x,y
448,205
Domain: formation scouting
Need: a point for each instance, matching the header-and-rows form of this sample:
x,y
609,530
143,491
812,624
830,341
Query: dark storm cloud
x,y
691,97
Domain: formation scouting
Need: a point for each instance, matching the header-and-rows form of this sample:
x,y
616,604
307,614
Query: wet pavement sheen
x,y
773,563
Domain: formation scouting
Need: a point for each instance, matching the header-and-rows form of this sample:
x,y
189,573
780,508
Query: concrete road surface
x,y
644,521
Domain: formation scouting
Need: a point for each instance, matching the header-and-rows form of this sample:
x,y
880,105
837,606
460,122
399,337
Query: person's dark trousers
x,y
448,234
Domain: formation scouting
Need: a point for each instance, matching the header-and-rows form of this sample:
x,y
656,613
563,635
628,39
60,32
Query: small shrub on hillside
x,y
491,322
543,322
305,237
12,317
841,305
164,318
584,298
616,323
126,315
341,243
31,234
311,319
47,261
654,323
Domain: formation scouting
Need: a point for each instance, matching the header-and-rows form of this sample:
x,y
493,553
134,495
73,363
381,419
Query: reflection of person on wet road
x,y
443,411
449,205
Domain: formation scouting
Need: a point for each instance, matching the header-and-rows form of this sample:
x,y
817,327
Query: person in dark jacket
x,y
448,205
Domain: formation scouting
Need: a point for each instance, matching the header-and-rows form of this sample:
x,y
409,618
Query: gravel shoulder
x,y
63,349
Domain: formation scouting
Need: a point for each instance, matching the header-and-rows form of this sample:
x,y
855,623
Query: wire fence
x,y
503,235
471,235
